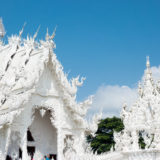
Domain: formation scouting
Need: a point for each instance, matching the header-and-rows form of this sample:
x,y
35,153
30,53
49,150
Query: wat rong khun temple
x,y
39,114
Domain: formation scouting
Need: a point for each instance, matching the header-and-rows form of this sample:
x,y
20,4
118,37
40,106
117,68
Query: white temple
x,y
39,114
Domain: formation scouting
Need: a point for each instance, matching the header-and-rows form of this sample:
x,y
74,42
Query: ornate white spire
x,y
148,73
147,62
2,30
47,35
149,85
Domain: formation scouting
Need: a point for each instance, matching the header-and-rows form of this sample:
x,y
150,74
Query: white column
x,y
2,145
135,145
24,145
59,144
5,134
7,140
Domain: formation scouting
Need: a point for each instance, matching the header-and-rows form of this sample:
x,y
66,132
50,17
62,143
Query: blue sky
x,y
106,41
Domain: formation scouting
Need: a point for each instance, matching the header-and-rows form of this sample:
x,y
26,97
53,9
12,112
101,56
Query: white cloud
x,y
110,98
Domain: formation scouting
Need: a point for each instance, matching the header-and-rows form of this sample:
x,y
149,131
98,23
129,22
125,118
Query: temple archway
x,y
42,136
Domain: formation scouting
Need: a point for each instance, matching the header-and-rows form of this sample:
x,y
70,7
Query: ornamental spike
x,y
54,33
35,35
147,62
21,31
2,30
47,35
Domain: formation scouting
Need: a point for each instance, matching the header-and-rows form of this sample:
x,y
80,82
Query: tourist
x,y
48,157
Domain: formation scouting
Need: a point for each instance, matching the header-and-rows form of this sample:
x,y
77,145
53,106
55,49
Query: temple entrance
x,y
42,136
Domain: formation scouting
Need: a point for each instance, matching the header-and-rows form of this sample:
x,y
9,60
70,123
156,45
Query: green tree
x,y
103,139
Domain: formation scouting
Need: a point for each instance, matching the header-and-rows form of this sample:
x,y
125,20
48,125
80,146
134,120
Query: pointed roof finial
x,y
21,31
35,35
147,62
2,30
54,33
148,73
47,35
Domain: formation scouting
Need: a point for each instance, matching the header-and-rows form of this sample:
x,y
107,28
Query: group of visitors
x,y
48,158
